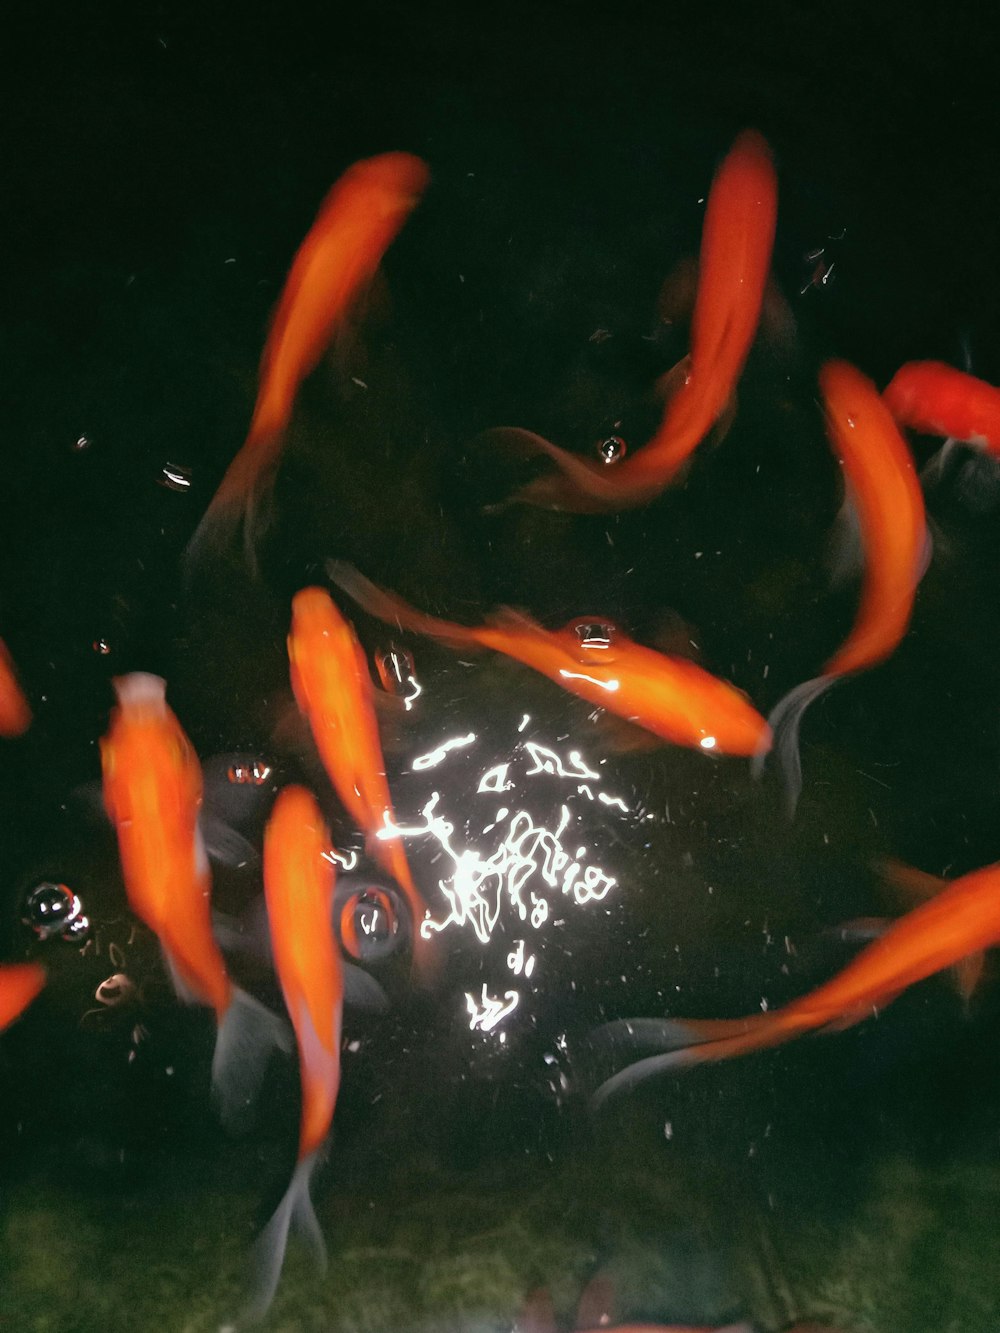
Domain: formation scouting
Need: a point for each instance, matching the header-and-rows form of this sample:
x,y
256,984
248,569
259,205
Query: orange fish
x,y
960,921
936,399
882,484
668,696
15,713
19,984
152,793
334,692
736,243
596,1312
298,888
334,265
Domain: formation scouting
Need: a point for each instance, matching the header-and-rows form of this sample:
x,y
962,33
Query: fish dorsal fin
x,y
597,1303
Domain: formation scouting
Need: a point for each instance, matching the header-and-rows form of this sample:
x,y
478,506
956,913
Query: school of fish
x,y
152,781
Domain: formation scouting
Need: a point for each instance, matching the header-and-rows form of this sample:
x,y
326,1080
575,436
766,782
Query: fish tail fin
x,y
394,610
296,1207
785,720
686,1042
248,1035
240,511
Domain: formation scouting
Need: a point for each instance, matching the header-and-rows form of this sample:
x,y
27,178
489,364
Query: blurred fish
x,y
936,399
336,262
669,696
15,712
882,484
735,259
20,983
152,791
298,886
596,1312
334,692
959,922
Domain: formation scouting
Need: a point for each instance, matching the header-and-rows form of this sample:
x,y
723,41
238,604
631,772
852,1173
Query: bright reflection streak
x,y
547,761
613,800
707,742
434,757
345,860
495,779
417,692
492,1011
524,721
609,685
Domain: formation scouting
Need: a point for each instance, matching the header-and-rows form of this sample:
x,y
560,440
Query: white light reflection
x,y
495,779
547,761
524,721
492,1011
345,860
434,757
609,685
707,742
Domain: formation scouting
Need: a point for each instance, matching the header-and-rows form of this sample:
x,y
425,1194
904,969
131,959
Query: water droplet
x,y
395,670
248,773
81,443
369,923
612,449
53,909
101,646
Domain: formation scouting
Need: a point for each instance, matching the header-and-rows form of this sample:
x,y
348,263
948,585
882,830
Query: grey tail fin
x,y
784,721
295,1209
248,1035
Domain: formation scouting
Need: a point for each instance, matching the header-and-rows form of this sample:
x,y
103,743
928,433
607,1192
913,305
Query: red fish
x,y
334,265
882,483
20,983
670,697
15,713
298,888
152,793
334,692
936,399
736,243
959,922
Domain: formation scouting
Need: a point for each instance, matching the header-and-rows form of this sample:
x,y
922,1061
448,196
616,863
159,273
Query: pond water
x,y
164,163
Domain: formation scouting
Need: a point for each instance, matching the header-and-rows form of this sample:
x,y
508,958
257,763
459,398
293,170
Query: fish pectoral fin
x,y
224,844
362,991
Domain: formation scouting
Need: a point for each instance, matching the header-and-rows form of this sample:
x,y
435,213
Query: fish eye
x,y
370,923
54,909
612,449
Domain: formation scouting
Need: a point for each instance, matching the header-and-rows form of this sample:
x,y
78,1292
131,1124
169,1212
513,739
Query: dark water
x,y
162,165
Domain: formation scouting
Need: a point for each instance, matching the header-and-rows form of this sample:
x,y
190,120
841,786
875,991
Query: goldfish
x,y
670,697
298,888
20,983
152,794
334,693
958,922
936,399
737,239
883,486
334,265
15,712
596,1311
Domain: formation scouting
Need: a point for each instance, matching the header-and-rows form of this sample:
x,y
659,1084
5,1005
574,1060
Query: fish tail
x,y
694,1041
392,609
296,1207
785,720
241,509
248,1035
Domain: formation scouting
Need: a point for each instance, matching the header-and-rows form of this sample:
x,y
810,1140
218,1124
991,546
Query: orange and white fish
x,y
670,697
957,923
333,689
152,793
15,712
736,244
882,484
20,983
936,399
334,265
298,888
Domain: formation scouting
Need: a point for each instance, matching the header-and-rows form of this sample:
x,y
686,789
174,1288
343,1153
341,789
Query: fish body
x,y
958,922
736,244
936,399
334,692
333,266
15,712
20,983
298,888
152,793
884,489
670,697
